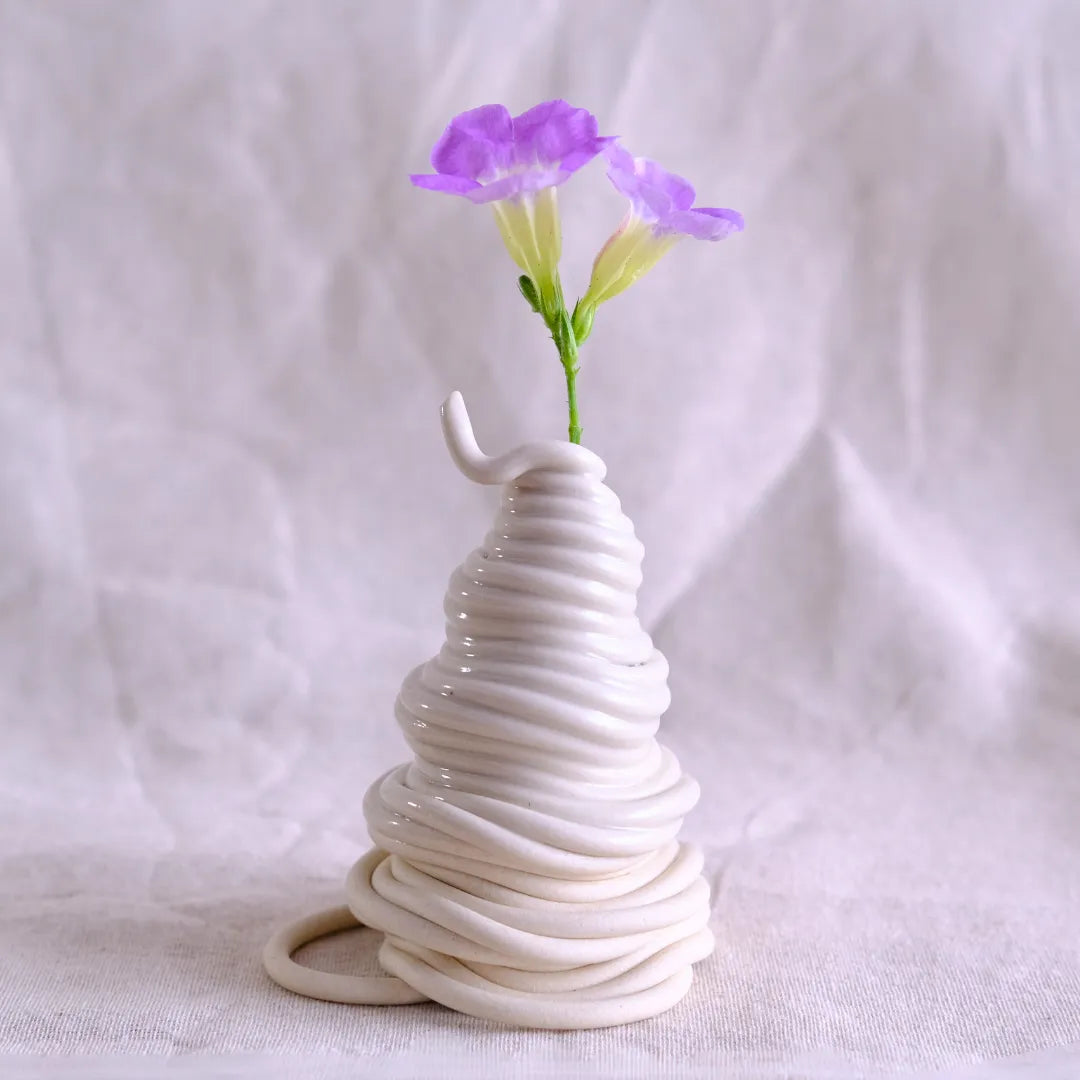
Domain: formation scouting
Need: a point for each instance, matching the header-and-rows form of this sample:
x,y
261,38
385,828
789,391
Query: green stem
x,y
566,340
570,367
552,308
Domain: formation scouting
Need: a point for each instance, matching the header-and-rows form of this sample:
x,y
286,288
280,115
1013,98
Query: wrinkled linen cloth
x,y
848,438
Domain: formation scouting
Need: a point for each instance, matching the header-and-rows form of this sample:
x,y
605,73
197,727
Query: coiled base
x,y
497,956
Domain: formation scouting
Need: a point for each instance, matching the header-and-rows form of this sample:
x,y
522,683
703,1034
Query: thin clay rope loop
x,y
527,868
346,989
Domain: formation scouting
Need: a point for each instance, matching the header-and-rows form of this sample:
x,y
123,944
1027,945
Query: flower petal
x,y
530,229
552,130
511,156
451,185
634,248
475,143
585,153
490,122
620,170
517,240
548,226
665,200
654,193
705,222
520,183
657,180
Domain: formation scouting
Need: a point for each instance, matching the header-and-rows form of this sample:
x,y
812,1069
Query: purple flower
x,y
515,164
486,155
661,212
666,201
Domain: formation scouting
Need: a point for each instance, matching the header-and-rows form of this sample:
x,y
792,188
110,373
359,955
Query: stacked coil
x,y
527,867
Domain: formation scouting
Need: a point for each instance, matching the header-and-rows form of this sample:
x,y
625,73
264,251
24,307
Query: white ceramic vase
x,y
527,867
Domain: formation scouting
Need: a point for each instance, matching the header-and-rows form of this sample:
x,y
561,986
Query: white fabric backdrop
x,y
848,438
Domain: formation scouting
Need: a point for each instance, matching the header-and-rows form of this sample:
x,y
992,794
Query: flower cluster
x,y
516,163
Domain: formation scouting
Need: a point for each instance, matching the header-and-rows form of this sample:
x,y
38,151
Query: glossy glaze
x,y
526,866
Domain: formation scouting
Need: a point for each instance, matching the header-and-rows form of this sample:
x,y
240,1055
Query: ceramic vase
x,y
527,867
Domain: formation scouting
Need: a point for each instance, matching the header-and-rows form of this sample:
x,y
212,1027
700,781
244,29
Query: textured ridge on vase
x,y
527,867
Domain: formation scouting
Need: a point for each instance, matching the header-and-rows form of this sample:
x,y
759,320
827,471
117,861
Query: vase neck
x,y
553,455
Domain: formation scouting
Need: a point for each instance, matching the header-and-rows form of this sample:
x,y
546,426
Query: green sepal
x,y
527,288
582,322
566,336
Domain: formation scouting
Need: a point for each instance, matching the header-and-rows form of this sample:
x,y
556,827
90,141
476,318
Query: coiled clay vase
x,y
527,867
